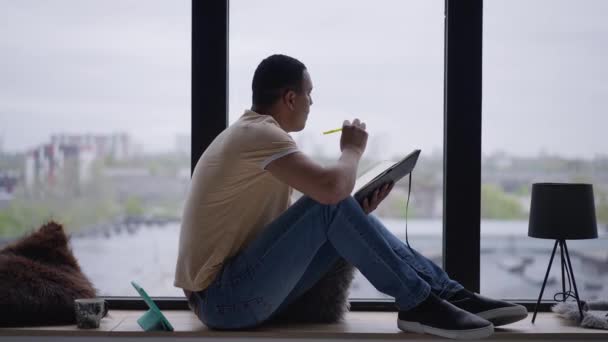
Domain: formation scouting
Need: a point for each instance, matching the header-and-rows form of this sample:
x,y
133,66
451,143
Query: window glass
x,y
378,61
544,114
94,132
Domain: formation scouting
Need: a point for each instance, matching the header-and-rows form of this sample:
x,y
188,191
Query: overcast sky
x,y
116,65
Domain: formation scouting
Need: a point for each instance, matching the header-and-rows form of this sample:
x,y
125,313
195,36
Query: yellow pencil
x,y
333,131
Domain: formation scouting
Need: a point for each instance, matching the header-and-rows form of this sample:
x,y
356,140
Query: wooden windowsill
x,y
358,325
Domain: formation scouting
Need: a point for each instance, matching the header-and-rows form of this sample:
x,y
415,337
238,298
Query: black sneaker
x,y
496,311
436,316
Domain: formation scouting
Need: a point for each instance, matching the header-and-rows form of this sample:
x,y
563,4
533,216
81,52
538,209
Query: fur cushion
x,y
39,280
325,302
592,317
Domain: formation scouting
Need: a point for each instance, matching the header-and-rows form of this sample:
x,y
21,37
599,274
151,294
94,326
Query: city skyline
x,y
118,66
311,147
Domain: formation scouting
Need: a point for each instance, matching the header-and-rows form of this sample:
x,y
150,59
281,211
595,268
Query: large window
x,y
94,126
544,109
95,121
379,61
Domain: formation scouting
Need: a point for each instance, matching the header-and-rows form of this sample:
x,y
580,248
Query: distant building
x,y
118,146
8,181
69,158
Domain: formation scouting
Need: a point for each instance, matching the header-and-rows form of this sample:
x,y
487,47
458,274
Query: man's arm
x,y
327,185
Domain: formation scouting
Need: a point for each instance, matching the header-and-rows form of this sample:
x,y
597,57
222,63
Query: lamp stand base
x,y
565,262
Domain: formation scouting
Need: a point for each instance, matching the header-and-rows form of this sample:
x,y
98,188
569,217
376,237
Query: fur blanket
x,y
39,280
593,317
326,302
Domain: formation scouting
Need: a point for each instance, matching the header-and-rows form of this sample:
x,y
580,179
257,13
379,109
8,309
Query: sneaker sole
x,y
504,316
453,334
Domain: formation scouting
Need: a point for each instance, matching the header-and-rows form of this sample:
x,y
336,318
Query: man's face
x,y
302,103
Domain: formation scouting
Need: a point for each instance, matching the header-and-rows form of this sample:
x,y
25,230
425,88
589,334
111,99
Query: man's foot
x,y
436,316
496,311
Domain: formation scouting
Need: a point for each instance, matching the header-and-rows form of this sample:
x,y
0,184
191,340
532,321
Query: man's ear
x,y
290,99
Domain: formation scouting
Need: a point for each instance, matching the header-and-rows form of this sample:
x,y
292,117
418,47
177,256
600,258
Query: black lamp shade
x,y
562,211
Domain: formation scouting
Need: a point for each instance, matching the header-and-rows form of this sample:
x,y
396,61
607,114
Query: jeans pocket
x,y
202,299
195,304
218,280
192,302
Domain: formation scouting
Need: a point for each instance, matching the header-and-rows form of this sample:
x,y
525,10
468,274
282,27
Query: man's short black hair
x,y
275,75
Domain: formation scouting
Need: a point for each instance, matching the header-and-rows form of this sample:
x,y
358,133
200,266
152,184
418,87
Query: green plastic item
x,y
153,320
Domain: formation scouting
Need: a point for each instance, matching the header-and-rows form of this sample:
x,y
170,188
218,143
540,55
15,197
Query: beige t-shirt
x,y
231,198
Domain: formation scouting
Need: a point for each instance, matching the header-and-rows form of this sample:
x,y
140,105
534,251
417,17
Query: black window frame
x,y
462,133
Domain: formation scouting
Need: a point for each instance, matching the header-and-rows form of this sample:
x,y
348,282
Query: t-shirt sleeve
x,y
269,143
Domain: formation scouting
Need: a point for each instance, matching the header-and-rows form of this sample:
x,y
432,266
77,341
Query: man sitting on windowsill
x,y
245,253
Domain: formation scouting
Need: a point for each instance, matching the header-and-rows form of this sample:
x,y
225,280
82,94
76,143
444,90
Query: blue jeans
x,y
299,248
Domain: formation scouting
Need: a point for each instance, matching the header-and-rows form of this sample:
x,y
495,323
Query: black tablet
x,y
392,173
